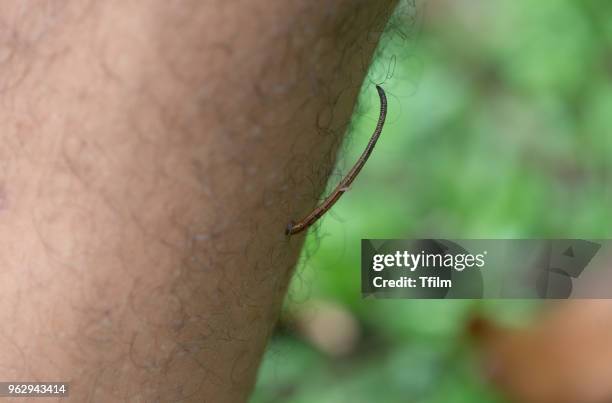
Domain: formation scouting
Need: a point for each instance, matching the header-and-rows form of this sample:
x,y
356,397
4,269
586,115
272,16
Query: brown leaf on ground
x,y
565,357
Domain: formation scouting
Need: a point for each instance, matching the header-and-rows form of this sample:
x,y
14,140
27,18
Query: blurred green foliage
x,y
499,126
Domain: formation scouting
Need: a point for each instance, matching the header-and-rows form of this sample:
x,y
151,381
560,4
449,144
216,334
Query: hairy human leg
x,y
151,156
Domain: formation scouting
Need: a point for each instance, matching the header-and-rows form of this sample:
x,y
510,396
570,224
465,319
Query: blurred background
x,y
500,126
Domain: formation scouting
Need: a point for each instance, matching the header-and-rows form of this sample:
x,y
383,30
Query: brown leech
x,y
296,227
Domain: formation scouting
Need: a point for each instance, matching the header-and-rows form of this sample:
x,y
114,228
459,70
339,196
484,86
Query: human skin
x,y
151,156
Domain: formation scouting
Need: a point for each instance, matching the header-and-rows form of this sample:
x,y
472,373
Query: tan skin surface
x,y
151,155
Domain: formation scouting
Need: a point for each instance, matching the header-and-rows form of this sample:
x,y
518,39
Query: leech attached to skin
x,y
344,185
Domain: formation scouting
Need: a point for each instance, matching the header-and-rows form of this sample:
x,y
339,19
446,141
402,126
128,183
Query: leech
x,y
344,185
